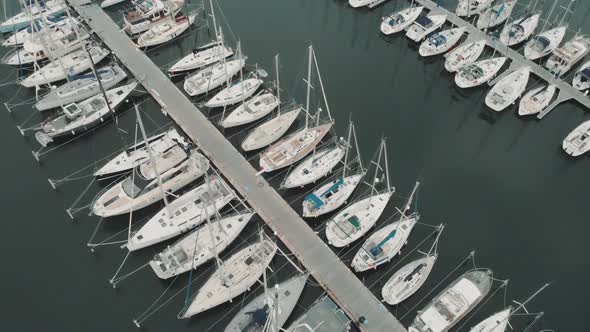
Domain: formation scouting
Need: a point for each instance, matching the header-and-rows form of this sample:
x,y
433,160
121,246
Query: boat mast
x,y
386,166
278,83
549,16
522,305
317,68
409,202
308,85
567,11
206,202
347,149
104,93
214,21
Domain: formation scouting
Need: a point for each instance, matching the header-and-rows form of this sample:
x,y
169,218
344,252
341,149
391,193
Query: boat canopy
x,y
543,42
423,21
585,73
397,19
438,39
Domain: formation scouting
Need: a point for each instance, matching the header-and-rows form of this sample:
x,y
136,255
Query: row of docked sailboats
x,y
33,12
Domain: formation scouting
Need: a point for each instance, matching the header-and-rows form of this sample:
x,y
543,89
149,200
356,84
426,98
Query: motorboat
x,y
399,21
210,78
425,25
167,148
407,280
235,276
109,3
564,58
199,246
34,12
441,42
314,167
496,15
330,196
139,189
148,13
81,86
183,214
537,99
251,110
166,30
519,30
68,65
582,77
235,92
508,89
464,55
201,57
576,142
359,3
479,72
454,302
497,322
271,130
78,117
544,43
472,7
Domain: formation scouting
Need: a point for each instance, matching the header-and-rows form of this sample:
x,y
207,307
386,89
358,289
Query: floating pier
x,y
333,275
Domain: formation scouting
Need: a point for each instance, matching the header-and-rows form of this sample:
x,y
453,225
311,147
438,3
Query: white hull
x,y
359,3
464,55
108,3
508,90
200,59
235,93
399,21
519,31
425,25
356,220
544,43
212,77
254,109
314,167
582,77
270,131
165,31
563,59
472,7
497,322
496,15
407,280
195,248
54,26
149,13
536,100
330,196
23,19
441,42
479,72
577,142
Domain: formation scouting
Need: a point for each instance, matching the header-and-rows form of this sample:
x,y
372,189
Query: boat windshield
x,y
397,19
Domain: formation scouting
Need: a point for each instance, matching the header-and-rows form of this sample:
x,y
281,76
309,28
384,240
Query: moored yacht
x,y
508,89
251,110
496,15
314,167
582,77
271,130
50,8
441,42
472,7
577,142
519,30
398,21
544,43
359,3
425,25
53,24
235,93
148,13
495,323
166,30
183,214
479,72
407,280
563,59
210,78
139,189
196,248
536,100
464,55
201,57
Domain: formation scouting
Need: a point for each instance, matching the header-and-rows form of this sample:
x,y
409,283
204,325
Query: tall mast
x,y
317,68
102,90
358,151
386,166
549,16
347,149
308,86
278,83
409,202
567,11
213,17
377,166
209,227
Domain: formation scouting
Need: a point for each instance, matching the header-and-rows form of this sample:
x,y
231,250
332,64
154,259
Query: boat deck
x,y
337,279
566,91
323,316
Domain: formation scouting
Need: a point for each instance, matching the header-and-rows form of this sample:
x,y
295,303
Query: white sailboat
x,y
183,214
425,25
472,7
536,100
236,92
495,323
441,42
576,142
564,58
168,149
166,30
359,3
140,189
33,12
67,65
582,77
109,3
479,72
398,21
496,15
386,242
51,28
464,55
358,218
271,130
197,247
315,166
210,78
234,276
407,280
201,57
78,117
544,43
519,30
508,90
148,13
81,87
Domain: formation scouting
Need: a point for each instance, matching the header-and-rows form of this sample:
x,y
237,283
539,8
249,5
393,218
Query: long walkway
x,y
566,91
335,277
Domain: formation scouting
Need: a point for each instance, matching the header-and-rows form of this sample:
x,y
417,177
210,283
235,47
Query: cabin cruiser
x,y
496,15
201,57
235,93
479,72
148,13
140,189
183,214
464,55
536,100
576,142
251,110
472,7
271,130
441,42
314,167
519,30
78,117
508,89
582,77
407,280
425,25
81,87
49,8
330,196
544,43
564,58
166,30
398,21
210,78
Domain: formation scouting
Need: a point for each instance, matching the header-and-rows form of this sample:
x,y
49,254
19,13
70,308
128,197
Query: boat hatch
x,y
72,111
354,221
315,200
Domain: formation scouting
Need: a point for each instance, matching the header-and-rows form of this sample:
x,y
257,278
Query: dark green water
x,y
500,183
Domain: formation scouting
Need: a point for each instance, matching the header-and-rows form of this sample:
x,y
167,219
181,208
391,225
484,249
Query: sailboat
x,y
272,308
386,242
234,276
315,166
407,280
184,213
68,65
537,99
576,142
148,13
166,30
454,302
358,218
109,3
334,194
76,118
496,15
472,7
479,72
398,21
81,87
544,43
33,13
582,77
563,59
140,189
196,248
508,90
441,42
271,130
210,78
168,148
424,26
52,24
464,55
359,3
235,92
296,146
495,323
519,30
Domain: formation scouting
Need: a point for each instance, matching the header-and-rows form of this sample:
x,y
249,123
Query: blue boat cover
x,y
89,75
423,21
586,73
317,202
376,248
